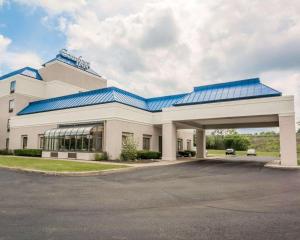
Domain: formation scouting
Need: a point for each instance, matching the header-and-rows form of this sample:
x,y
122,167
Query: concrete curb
x,y
278,166
70,174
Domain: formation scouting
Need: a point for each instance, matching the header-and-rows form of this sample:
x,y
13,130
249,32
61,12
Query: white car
x,y
251,152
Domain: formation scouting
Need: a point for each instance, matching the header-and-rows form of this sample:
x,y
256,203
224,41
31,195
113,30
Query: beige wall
x,y
185,135
31,132
20,102
113,136
63,72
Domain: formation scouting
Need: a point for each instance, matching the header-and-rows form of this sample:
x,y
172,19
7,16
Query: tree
x,y
237,142
298,130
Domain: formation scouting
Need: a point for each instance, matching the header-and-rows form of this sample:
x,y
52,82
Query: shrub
x,y
129,150
6,152
101,156
187,153
148,154
28,152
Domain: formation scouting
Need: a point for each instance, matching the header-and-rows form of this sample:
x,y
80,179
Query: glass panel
x,y
47,133
72,143
61,143
74,132
57,132
61,132
68,131
85,143
67,143
80,131
52,132
79,143
87,130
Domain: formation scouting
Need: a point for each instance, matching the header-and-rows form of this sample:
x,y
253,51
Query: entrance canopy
x,y
76,131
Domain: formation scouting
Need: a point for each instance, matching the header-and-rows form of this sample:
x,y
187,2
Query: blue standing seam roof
x,y
230,91
26,71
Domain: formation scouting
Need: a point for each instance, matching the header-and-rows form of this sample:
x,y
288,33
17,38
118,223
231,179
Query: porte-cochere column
x,y
169,139
200,143
288,149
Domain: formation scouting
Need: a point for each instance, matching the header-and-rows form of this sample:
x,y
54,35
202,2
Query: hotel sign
x,y
80,63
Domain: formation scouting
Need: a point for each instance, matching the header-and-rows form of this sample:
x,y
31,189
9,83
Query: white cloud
x,y
55,6
13,59
156,47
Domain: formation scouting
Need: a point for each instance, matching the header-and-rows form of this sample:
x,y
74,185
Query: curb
x,y
277,166
70,174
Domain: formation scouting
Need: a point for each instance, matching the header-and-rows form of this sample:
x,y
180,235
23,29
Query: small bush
x,y
101,156
186,153
6,152
28,152
148,154
129,150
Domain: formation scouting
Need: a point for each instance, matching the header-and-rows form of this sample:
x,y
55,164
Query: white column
x,y
200,143
288,149
169,138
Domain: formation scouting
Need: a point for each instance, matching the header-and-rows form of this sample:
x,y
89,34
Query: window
x,y
11,105
126,136
12,86
7,144
179,144
8,125
41,141
146,142
24,141
189,145
74,139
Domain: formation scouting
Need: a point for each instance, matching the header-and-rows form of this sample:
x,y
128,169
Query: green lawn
x,y
212,152
54,165
221,153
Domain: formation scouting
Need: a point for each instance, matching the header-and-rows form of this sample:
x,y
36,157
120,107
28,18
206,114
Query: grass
x,y
212,152
221,153
54,165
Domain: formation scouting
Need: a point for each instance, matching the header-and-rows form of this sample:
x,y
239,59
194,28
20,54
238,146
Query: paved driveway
x,y
195,200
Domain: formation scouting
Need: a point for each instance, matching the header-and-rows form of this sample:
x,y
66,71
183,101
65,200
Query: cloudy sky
x,y
156,47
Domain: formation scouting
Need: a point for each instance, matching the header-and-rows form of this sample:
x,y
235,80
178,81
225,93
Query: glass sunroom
x,y
74,139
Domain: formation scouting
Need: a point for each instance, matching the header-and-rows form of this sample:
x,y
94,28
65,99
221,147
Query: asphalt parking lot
x,y
195,200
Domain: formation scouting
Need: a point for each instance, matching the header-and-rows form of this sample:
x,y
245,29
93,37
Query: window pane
x,y
146,142
12,86
11,105
85,143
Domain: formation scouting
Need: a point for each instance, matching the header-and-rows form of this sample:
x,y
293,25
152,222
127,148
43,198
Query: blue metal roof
x,y
244,89
71,62
158,103
26,71
229,91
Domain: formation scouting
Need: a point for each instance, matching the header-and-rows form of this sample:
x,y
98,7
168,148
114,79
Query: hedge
x,y
28,152
148,154
186,153
6,152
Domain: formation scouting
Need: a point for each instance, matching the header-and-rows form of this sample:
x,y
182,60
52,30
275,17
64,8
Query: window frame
x,y
147,138
23,142
11,105
12,88
126,136
41,141
8,125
